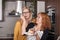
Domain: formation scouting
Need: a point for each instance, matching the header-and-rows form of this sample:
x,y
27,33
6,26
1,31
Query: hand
x,y
31,31
23,18
35,27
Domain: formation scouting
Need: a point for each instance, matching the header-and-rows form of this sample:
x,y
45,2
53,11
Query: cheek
x,y
24,14
39,20
28,15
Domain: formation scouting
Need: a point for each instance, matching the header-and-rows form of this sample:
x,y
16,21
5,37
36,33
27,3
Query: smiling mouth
x,y
25,16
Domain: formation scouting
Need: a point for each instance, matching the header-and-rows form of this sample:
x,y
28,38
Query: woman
x,y
40,30
43,25
22,23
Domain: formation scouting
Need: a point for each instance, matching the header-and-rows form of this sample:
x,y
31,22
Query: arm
x,y
24,25
37,37
16,30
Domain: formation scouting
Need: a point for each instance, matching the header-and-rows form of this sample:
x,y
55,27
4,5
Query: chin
x,y
27,17
37,22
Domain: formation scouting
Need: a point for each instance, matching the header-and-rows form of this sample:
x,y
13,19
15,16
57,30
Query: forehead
x,y
25,10
39,15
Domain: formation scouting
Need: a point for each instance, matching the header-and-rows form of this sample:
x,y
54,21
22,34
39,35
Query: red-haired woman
x,y
43,25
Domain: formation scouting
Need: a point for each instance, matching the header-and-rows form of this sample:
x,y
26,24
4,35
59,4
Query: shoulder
x,y
19,22
45,34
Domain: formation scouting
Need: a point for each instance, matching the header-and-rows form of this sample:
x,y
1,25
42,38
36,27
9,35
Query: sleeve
x,y
16,30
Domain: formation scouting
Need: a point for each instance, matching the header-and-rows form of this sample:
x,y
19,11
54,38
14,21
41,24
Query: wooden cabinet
x,y
6,39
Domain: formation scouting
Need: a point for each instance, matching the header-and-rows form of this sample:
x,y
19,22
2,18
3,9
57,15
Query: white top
x,y
32,36
40,33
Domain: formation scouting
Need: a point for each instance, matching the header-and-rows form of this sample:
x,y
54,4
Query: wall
x,y
58,17
9,22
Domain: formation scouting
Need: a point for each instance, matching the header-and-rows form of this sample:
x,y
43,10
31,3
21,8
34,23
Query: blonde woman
x,y
21,24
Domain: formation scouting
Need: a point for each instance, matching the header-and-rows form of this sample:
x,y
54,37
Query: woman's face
x,y
26,13
39,19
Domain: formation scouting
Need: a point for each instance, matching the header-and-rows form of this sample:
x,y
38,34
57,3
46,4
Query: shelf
x,y
13,15
6,37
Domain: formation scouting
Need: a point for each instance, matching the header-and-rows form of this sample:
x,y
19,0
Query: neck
x,y
28,20
40,27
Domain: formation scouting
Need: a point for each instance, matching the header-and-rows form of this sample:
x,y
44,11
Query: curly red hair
x,y
46,23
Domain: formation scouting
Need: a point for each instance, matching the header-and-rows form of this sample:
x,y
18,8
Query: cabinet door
x,y
0,10
40,6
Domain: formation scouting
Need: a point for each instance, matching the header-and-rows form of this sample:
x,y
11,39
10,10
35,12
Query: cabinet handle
x,y
1,27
